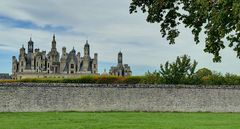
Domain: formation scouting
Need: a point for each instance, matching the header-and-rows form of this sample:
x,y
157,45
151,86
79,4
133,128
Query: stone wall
x,y
26,97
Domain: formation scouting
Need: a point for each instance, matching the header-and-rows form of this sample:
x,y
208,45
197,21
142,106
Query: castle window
x,y
72,72
94,66
48,65
48,71
21,70
41,65
37,64
21,63
72,66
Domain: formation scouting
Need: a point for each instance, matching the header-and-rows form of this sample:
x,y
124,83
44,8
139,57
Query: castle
x,y
36,64
121,69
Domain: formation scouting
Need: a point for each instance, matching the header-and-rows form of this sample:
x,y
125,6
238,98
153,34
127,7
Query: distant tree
x,y
219,19
203,72
175,72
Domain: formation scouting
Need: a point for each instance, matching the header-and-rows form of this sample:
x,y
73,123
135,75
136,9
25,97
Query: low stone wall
x,y
34,97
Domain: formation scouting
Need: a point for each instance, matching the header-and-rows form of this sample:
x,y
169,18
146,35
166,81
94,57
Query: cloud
x,y
3,45
13,23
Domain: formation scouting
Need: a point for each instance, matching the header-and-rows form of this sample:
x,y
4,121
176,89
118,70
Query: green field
x,y
119,120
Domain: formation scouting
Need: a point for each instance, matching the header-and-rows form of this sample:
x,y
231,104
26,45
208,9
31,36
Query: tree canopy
x,y
219,19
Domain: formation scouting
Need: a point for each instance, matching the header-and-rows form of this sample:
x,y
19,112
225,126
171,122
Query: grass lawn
x,y
119,120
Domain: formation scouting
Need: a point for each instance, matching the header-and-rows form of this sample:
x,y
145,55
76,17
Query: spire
x,y
87,42
54,37
86,49
22,45
120,53
120,60
54,43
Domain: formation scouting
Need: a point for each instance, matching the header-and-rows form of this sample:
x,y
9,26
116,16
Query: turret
x,y
63,59
22,51
54,43
30,45
120,58
95,63
64,52
86,49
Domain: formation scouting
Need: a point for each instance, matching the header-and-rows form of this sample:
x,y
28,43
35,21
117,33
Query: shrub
x,y
7,81
133,80
232,79
83,79
214,79
152,78
175,72
203,72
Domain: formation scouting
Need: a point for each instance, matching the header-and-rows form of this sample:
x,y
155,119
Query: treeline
x,y
202,77
183,71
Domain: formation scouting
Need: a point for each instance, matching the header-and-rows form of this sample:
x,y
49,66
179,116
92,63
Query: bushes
x,y
7,81
88,79
133,80
150,78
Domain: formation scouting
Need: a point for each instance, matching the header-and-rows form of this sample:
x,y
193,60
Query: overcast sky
x,y
109,28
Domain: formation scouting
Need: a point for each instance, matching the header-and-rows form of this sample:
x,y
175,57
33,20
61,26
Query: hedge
x,y
214,79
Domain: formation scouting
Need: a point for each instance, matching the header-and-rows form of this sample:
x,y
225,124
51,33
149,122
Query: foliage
x,y
201,77
174,72
203,72
219,19
108,80
88,79
214,79
133,80
153,78
232,79
7,81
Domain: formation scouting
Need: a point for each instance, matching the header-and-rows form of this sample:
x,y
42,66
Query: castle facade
x,y
39,64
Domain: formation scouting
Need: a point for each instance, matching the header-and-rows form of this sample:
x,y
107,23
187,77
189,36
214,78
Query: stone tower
x,y
54,44
120,59
95,64
63,59
53,64
30,45
86,57
30,59
22,60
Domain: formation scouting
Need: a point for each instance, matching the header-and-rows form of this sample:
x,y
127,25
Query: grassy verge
x,y
119,120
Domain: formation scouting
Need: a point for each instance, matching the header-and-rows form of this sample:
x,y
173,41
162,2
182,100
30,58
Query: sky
x,y
108,27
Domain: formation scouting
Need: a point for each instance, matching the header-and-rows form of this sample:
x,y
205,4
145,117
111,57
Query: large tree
x,y
219,19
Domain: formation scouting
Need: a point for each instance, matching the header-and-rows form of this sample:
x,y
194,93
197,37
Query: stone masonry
x,y
33,97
